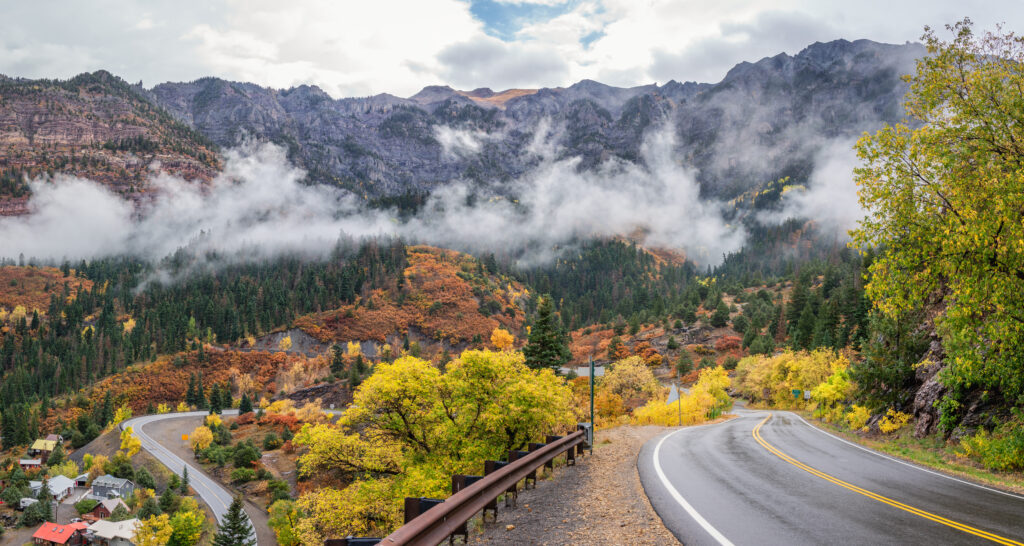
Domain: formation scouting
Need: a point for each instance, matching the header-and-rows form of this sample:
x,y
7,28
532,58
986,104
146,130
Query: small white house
x,y
60,487
114,533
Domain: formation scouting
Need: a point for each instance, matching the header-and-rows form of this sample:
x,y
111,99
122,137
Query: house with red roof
x,y
52,534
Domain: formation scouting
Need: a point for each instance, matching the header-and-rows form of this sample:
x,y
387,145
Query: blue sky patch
x,y
503,20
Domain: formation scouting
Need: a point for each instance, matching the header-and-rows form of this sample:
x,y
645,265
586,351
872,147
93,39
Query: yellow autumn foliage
x,y
502,339
201,438
857,418
412,426
353,348
783,373
130,444
893,420
706,399
153,531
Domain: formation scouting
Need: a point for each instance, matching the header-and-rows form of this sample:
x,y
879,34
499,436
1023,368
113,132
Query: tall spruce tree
x,y
547,346
236,529
245,404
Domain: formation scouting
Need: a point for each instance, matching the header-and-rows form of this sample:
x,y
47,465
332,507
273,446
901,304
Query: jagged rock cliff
x,y
764,120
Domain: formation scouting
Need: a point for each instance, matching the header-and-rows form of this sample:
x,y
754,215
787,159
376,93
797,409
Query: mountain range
x,y
765,120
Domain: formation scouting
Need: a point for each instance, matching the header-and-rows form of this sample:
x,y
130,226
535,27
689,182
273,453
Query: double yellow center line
x,y
885,500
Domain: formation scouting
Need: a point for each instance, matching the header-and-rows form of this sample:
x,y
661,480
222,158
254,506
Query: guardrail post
x,y
414,506
510,493
460,481
515,455
547,464
568,453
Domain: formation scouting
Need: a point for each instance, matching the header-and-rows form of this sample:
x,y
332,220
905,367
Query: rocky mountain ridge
x,y
94,126
763,121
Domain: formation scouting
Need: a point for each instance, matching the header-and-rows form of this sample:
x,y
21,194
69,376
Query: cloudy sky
x,y
357,48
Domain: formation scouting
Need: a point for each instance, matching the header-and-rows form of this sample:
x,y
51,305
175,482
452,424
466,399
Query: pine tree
x,y
216,401
168,500
200,395
245,405
236,529
337,359
547,346
190,394
184,482
684,364
721,315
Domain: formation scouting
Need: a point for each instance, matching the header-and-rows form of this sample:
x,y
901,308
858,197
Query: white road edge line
x,y
905,463
679,498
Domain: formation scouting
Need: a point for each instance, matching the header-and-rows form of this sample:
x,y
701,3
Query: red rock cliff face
x,y
94,126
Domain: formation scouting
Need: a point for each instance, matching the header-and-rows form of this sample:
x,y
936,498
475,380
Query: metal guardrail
x,y
436,524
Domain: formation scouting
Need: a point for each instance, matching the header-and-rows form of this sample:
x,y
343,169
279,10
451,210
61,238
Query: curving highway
x,y
769,477
212,493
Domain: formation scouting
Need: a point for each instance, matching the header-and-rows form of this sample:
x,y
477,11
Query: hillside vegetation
x,y
93,126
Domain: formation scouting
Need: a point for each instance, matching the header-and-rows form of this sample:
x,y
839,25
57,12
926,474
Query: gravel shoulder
x,y
599,501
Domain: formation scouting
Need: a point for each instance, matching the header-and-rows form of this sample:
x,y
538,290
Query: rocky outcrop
x,y
94,126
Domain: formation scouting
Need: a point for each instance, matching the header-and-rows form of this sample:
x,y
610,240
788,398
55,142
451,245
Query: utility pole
x,y
593,428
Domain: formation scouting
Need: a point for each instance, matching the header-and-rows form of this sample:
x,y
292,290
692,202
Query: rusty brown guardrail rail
x,y
439,522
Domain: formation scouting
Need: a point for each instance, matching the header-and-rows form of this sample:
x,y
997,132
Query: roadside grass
x,y
932,452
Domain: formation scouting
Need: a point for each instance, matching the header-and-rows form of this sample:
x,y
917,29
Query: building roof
x,y
56,484
111,504
107,480
54,437
44,445
109,530
51,532
24,462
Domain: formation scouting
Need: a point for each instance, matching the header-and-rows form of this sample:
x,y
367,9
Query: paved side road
x,y
772,478
215,496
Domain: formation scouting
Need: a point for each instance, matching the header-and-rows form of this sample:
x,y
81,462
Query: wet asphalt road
x,y
718,484
212,493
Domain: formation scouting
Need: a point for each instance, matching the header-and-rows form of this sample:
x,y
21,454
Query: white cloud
x,y
258,207
830,197
359,48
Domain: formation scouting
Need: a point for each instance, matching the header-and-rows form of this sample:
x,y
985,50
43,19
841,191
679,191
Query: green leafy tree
x,y
236,530
144,479
56,456
284,516
120,513
150,507
944,196
547,346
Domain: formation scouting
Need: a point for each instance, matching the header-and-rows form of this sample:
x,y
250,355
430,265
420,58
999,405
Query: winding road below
x,y
212,493
769,477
